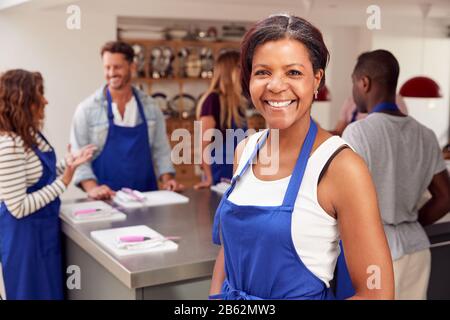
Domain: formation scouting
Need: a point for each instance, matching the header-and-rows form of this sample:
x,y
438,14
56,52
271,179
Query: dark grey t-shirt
x,y
402,156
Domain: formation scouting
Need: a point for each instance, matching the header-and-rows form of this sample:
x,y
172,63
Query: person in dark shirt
x,y
221,108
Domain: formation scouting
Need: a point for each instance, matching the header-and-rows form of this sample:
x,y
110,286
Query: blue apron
x,y
30,247
126,159
260,258
354,115
222,164
343,285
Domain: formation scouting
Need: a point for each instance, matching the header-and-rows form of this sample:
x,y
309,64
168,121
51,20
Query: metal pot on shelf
x,y
161,62
183,105
139,60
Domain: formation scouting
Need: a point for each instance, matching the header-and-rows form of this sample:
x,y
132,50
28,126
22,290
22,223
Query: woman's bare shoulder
x,y
348,163
321,137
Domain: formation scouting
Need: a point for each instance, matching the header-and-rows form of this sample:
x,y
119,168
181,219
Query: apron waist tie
x,y
229,293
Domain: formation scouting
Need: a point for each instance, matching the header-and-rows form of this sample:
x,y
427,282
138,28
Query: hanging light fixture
x,y
421,86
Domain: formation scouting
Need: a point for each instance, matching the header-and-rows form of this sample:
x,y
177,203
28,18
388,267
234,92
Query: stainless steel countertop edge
x,y
138,279
96,252
173,274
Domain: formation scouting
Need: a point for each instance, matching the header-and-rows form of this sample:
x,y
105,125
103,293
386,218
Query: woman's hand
x,y
173,185
75,159
203,184
102,192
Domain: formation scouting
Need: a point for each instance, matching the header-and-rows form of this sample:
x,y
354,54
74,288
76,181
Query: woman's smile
x,y
279,105
282,90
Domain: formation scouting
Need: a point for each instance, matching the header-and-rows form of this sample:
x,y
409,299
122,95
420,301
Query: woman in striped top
x,y
30,186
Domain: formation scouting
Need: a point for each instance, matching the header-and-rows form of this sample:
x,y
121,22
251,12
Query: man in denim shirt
x,y
121,121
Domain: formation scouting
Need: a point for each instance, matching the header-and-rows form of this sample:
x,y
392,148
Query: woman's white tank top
x,y
314,233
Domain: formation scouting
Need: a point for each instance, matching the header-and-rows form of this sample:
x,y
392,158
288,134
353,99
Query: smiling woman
x,y
280,229
271,79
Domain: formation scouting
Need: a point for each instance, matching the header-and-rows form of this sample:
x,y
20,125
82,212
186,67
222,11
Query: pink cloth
x,y
349,106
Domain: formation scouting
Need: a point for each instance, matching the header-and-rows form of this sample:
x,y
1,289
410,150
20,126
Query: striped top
x,y
20,169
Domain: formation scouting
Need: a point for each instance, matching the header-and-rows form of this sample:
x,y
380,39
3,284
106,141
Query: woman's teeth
x,y
279,104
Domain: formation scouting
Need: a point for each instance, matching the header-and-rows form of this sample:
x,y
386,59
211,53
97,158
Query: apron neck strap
x,y
251,158
354,115
139,105
45,159
247,164
299,169
138,102
300,166
109,100
44,138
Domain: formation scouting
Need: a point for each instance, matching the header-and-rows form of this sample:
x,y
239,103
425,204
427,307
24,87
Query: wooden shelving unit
x,y
185,172
176,46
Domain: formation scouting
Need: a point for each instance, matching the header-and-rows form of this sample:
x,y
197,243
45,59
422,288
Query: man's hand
x,y
173,185
102,192
203,184
169,183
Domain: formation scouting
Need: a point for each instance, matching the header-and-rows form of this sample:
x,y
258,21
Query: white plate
x,y
221,187
108,239
153,198
107,212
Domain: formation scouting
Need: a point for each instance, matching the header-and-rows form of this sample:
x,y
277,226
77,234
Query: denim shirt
x,y
90,126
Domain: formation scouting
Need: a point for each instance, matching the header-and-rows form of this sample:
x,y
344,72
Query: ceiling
x,y
330,11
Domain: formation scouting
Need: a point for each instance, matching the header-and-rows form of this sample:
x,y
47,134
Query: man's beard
x,y
123,83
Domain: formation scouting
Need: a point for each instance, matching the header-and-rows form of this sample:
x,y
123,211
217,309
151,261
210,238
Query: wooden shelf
x,y
176,46
184,43
173,79
185,173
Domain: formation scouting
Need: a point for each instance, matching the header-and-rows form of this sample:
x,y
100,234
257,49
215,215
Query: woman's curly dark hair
x,y
19,91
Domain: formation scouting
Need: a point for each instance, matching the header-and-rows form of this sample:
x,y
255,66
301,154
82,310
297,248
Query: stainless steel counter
x,y
194,258
185,273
